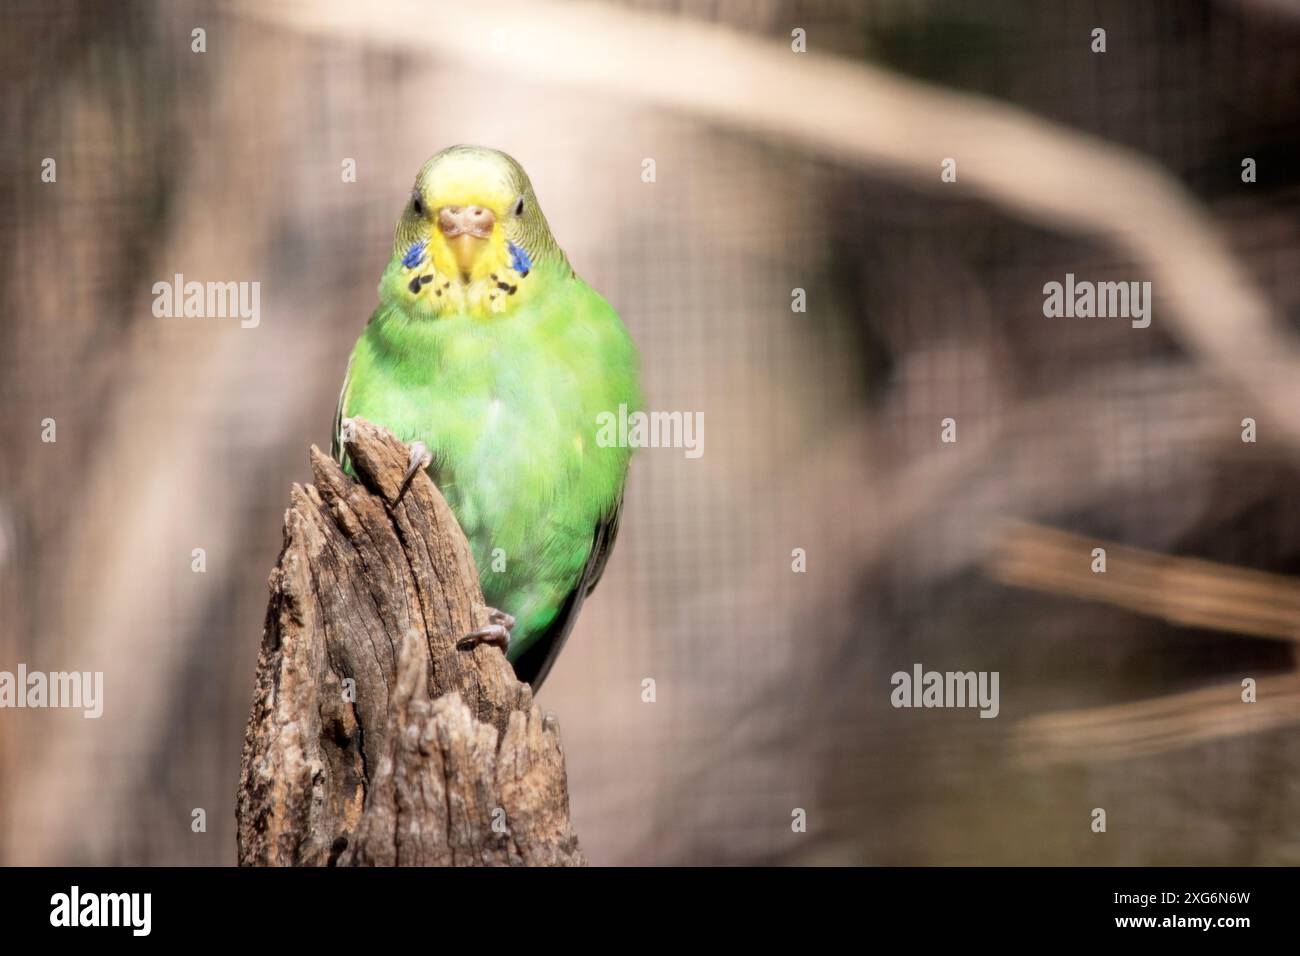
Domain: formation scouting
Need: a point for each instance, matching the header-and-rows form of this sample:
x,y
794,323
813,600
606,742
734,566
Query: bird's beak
x,y
466,248
467,230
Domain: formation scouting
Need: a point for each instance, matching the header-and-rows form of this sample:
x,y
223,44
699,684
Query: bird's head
x,y
470,237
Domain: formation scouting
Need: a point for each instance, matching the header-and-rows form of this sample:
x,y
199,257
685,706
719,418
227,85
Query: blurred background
x,y
775,170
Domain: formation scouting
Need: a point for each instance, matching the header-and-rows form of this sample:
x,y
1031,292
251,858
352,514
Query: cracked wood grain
x,y
372,739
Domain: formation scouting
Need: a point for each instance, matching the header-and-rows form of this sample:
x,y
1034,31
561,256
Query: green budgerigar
x,y
493,361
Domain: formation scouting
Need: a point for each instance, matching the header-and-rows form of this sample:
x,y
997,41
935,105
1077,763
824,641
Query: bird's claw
x,y
419,460
497,632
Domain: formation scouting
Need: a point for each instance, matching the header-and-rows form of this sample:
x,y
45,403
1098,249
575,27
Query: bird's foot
x,y
496,632
418,461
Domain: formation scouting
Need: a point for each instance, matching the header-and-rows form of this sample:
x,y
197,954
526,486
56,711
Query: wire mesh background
x,y
772,687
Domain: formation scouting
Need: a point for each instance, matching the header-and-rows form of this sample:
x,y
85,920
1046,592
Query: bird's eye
x,y
519,206
418,205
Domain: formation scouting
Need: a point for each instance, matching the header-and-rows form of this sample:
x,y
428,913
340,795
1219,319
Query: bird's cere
x,y
457,221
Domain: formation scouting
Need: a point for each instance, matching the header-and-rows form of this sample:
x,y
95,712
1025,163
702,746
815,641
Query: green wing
x,y
336,438
535,663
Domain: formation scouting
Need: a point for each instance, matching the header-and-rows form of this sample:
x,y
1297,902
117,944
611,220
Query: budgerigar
x,y
493,360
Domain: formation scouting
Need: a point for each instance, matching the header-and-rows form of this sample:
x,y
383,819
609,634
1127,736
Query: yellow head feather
x,y
425,276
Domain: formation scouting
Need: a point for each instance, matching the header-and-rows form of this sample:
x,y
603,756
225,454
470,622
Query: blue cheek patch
x,y
414,255
519,260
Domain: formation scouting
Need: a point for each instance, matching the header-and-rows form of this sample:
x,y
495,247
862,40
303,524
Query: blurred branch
x,y
373,739
1184,591
1157,725
1038,170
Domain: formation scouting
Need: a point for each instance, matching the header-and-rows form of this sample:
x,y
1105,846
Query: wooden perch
x,y
372,739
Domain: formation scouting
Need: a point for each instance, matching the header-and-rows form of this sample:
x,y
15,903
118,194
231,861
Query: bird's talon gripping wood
x,y
420,459
497,634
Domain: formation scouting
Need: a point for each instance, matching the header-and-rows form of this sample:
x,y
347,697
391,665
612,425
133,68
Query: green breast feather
x,y
508,406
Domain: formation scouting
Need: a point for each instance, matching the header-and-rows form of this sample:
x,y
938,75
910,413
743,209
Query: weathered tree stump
x,y
372,739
